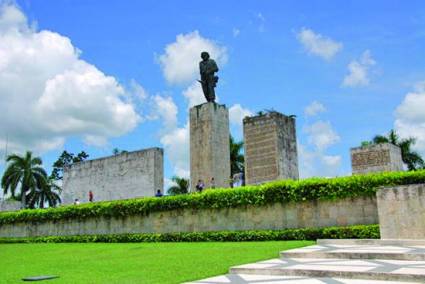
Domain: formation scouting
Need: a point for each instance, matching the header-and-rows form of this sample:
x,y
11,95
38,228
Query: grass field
x,y
131,262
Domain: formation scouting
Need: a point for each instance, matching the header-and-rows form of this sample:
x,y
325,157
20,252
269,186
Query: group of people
x,y
200,186
91,198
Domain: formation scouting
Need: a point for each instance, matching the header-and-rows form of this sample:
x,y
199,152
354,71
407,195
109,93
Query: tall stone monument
x,y
209,145
209,133
270,148
384,157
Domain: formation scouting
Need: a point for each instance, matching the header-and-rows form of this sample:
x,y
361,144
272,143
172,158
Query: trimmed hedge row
x,y
279,191
350,232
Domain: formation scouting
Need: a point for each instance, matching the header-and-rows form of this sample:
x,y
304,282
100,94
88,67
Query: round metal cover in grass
x,y
40,278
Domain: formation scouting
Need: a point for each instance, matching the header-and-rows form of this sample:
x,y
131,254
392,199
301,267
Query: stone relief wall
x,y
376,158
270,148
123,176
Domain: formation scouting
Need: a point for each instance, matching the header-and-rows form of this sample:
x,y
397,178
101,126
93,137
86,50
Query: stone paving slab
x,y
384,242
343,251
376,269
273,279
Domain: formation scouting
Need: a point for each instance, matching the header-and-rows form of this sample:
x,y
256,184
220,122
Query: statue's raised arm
x,y
207,68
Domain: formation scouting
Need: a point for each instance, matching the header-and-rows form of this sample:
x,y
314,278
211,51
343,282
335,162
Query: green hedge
x,y
279,191
350,232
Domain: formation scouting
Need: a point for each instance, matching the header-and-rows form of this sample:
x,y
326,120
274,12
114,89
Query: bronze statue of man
x,y
207,68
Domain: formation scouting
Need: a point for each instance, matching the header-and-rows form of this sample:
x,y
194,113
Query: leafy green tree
x,y
181,186
65,160
237,159
117,151
411,158
24,172
49,193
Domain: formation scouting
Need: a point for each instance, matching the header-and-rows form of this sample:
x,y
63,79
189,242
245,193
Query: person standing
x,y
90,196
200,186
212,182
158,193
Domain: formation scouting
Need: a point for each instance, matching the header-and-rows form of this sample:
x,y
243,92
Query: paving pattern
x,y
272,279
362,262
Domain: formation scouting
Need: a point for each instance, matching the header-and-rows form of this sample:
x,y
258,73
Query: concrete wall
x,y
9,205
402,212
209,145
271,217
123,176
376,158
270,148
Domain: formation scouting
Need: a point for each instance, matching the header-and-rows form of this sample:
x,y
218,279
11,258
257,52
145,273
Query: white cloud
x,y
176,144
237,114
331,161
194,94
236,32
321,135
410,118
48,93
180,61
138,91
317,44
315,163
313,159
174,139
358,71
314,109
166,109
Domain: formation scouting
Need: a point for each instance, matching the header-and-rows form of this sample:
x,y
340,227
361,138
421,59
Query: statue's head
x,y
205,55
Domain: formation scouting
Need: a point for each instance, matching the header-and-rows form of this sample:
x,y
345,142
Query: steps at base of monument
x,y
347,251
378,242
276,279
388,270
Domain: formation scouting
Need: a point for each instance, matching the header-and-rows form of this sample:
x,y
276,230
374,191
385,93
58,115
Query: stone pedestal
x,y
209,145
384,157
401,211
270,148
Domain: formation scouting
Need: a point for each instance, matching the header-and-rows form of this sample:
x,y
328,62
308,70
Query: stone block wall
x,y
384,157
209,145
402,212
9,205
270,148
309,214
123,176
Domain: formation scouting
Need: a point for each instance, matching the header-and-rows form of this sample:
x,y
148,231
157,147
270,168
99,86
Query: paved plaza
x,y
340,261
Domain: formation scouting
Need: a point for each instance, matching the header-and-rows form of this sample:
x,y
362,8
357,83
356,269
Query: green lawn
x,y
131,262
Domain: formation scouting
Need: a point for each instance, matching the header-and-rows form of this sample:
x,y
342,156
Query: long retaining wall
x,y
343,212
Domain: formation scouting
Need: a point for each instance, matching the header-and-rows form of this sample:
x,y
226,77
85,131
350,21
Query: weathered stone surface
x,y
209,145
270,148
123,176
376,158
402,212
276,216
9,205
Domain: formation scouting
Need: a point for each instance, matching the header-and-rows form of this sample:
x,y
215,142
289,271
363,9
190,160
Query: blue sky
x,y
103,74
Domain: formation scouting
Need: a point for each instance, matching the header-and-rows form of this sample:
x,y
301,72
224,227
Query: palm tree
x,y
236,157
181,186
48,193
24,171
411,158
